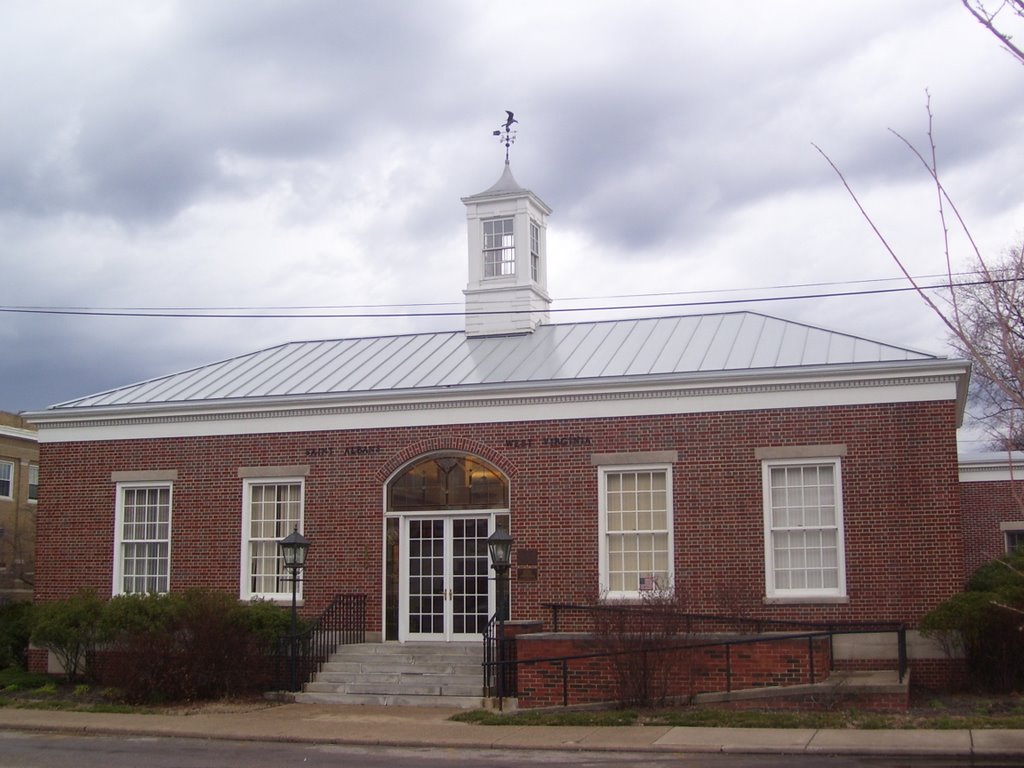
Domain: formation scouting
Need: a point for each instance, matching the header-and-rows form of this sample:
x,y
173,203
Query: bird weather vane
x,y
505,134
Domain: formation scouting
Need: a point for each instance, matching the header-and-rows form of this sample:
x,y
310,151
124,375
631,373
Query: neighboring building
x,y
992,501
19,489
758,467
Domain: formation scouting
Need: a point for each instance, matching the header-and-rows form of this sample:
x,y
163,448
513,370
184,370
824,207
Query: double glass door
x,y
445,588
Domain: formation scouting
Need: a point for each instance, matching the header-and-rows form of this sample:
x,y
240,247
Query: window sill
x,y
284,602
638,598
807,600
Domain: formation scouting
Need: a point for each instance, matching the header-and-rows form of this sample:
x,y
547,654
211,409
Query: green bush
x,y
185,646
996,575
986,624
70,629
188,646
15,679
267,622
15,630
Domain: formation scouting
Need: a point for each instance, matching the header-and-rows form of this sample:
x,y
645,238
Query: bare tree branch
x,y
984,314
989,19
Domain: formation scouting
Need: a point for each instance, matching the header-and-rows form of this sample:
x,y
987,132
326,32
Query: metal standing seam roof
x,y
597,350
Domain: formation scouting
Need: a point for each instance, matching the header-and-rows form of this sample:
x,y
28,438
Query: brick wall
x,y
679,674
985,505
900,491
934,674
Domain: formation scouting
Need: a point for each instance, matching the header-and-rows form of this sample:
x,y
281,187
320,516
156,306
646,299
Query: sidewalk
x,y
415,727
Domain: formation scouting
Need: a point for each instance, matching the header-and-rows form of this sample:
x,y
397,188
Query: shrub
x,y
637,635
188,646
15,630
985,624
69,628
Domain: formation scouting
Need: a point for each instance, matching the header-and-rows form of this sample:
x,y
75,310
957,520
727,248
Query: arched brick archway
x,y
442,499
411,452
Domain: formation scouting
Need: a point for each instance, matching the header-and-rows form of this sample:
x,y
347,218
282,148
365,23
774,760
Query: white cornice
x,y
552,401
20,434
992,467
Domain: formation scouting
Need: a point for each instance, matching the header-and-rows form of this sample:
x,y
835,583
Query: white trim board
x,y
538,405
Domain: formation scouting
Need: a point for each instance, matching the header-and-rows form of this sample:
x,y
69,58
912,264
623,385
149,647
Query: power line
x,y
865,281
247,313
307,307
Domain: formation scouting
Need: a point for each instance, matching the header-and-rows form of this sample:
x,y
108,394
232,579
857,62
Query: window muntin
x,y
499,248
273,509
1014,539
33,482
636,544
803,529
6,479
142,539
534,251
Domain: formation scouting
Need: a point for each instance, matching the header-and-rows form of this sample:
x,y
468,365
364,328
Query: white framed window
x,y
1014,539
142,538
499,248
1013,535
33,482
635,528
534,251
803,520
273,508
6,479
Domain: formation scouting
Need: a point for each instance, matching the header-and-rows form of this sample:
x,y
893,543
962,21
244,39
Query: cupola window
x,y
499,248
534,251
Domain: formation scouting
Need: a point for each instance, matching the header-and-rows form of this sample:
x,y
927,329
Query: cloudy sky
x,y
194,155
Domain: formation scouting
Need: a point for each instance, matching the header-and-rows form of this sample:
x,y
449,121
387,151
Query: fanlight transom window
x,y
448,481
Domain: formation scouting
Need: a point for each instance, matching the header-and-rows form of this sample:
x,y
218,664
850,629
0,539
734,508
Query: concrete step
x,y
357,666
397,678
370,653
394,689
391,648
394,700
409,674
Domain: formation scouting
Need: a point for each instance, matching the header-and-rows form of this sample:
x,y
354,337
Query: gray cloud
x,y
187,154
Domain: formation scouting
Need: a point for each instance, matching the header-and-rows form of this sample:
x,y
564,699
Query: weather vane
x,y
505,134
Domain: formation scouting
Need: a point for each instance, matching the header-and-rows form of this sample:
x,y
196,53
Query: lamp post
x,y
293,549
499,547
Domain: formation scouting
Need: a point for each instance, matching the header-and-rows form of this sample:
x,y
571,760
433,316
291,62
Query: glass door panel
x,y
426,587
470,583
447,584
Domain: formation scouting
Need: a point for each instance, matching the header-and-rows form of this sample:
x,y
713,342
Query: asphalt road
x,y
37,750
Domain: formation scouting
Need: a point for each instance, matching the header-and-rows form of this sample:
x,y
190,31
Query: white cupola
x,y
507,292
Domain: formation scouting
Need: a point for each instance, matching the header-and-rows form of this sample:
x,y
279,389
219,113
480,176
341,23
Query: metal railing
x,y
501,671
343,622
499,662
706,622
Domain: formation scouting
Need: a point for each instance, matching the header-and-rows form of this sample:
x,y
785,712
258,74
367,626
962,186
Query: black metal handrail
x,y
494,668
343,622
750,623
499,653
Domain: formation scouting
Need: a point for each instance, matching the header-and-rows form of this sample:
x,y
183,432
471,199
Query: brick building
x,y
19,485
755,466
992,504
